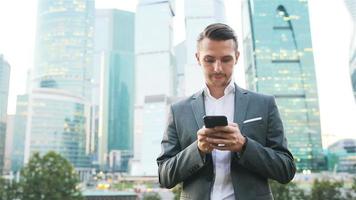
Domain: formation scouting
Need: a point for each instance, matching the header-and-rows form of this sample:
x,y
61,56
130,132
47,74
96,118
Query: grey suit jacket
x,y
265,157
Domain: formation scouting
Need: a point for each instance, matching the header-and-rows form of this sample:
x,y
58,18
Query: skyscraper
x,y
59,102
351,5
198,14
4,93
115,62
19,131
155,67
279,61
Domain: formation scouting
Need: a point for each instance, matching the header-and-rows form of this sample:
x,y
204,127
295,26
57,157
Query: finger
x,y
217,141
223,148
228,129
233,124
217,135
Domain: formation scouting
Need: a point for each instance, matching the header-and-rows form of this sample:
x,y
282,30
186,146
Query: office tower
x,y
351,5
155,67
180,60
115,62
4,93
155,109
279,61
19,133
342,156
198,15
59,101
8,143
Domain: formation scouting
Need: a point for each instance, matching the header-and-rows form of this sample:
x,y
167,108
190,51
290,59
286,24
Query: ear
x,y
197,57
237,56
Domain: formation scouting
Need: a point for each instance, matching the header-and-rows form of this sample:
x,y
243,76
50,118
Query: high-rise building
x,y
59,101
115,63
351,5
8,143
155,67
18,133
4,93
155,109
279,61
342,156
180,60
198,15
64,46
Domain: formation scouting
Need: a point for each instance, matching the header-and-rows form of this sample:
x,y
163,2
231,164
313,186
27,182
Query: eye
x,y
226,59
209,60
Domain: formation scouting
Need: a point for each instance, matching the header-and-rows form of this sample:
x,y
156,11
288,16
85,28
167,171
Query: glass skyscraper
x,y
198,15
279,61
64,45
4,93
155,113
115,62
351,5
59,101
155,67
19,131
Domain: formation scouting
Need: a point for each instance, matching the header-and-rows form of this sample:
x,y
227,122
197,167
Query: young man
x,y
226,162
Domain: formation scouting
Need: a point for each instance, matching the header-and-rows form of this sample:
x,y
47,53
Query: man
x,y
228,162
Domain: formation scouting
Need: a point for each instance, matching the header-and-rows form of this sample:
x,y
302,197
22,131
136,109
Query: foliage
x,y
286,191
8,190
326,189
49,177
176,191
151,196
122,186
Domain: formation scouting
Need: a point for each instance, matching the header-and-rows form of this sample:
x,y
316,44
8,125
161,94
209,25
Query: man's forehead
x,y
208,44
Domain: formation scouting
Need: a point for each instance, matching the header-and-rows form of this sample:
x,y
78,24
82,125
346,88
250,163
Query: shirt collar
x,y
230,88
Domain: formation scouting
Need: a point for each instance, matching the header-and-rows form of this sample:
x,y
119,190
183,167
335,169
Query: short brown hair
x,y
218,32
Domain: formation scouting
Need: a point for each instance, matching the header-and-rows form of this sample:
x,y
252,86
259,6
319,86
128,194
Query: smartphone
x,y
212,121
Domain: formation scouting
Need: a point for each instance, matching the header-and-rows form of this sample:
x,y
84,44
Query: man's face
x,y
217,59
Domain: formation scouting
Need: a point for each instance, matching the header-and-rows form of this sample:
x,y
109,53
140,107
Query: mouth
x,y
218,76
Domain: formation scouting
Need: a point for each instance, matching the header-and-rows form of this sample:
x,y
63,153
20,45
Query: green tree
x,y
288,191
351,193
326,189
151,196
176,191
50,177
8,190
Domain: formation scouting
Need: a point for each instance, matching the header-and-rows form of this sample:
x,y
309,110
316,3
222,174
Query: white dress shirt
x,y
222,188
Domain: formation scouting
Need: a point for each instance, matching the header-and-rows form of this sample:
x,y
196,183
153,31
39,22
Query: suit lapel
x,y
198,108
241,103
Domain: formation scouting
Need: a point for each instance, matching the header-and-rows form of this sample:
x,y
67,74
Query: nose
x,y
217,66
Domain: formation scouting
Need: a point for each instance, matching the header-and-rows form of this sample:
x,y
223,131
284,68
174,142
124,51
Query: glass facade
x,y
155,69
155,115
198,15
342,156
64,45
114,56
279,61
351,5
59,122
4,93
19,131
59,108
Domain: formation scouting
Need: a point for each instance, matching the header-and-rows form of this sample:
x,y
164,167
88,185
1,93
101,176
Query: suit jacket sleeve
x,y
273,160
176,164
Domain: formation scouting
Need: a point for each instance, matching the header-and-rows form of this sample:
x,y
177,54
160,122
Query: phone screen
x,y
212,121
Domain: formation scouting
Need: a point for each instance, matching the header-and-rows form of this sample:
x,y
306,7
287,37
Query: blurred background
x,y
91,80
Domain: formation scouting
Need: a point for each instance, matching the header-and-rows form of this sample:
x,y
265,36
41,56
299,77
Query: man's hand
x,y
203,145
228,138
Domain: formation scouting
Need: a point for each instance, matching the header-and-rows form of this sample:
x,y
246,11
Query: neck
x,y
217,92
